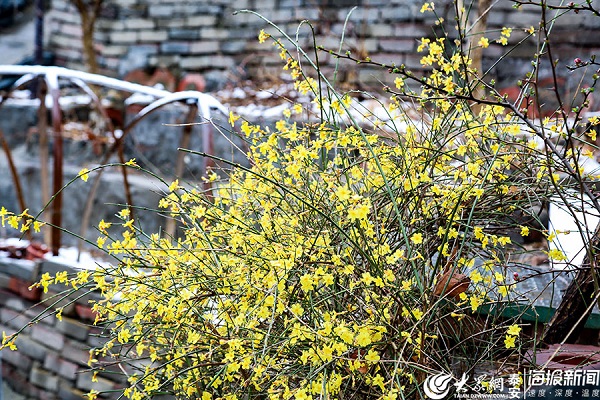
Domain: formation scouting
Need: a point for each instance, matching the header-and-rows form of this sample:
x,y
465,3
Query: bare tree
x,y
89,12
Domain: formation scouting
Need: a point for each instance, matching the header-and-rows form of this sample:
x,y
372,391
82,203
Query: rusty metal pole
x,y
57,169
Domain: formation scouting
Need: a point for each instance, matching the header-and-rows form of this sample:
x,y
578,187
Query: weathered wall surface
x,y
205,36
52,355
153,143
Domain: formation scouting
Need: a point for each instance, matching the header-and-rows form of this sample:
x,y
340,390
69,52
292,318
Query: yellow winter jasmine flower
x,y
263,36
399,82
484,42
509,341
132,163
84,174
427,7
513,330
556,255
524,231
475,303
417,238
359,212
372,356
233,118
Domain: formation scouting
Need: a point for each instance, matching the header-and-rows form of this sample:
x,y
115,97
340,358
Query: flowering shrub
x,y
347,261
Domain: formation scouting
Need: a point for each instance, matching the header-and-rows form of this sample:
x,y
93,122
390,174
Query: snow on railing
x,y
49,83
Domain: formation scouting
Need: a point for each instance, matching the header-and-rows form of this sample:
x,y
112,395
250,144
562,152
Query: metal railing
x,y
49,81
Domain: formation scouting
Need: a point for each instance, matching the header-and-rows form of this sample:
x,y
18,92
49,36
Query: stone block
x,y
23,269
24,289
206,62
41,313
66,391
84,382
17,359
175,47
152,36
49,337
124,37
183,34
139,23
416,31
76,352
361,14
233,46
198,21
214,33
13,318
56,298
400,14
65,369
43,379
73,329
4,281
161,11
397,45
13,302
204,47
311,14
31,348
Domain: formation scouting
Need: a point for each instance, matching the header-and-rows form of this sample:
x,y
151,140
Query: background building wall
x,y
209,37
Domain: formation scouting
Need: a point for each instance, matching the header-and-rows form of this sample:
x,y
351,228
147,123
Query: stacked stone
x,y
51,357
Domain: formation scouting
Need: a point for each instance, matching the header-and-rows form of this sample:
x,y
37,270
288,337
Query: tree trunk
x,y
88,15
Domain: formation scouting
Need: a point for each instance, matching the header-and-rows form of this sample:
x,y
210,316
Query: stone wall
x,y
52,355
205,36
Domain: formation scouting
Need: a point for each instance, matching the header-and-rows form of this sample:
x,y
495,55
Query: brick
x,y
43,379
85,312
183,34
4,281
65,369
18,359
139,23
95,338
123,37
399,14
41,314
214,33
233,46
22,269
206,62
49,337
360,14
76,352
53,299
397,45
84,382
31,348
68,17
197,21
73,329
152,36
13,318
412,31
160,11
205,46
13,302
113,50
164,60
175,47
66,391
22,288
